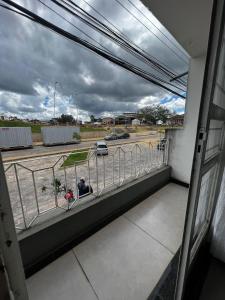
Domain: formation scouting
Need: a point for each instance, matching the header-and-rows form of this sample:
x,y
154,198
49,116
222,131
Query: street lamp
x,y
76,93
56,82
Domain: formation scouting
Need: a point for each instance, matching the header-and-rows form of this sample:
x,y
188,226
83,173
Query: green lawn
x,y
34,128
88,129
37,128
76,157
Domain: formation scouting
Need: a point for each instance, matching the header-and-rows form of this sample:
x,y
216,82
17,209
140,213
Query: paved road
x,y
41,150
35,192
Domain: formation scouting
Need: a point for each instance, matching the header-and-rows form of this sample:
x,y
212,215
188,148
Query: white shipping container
x,y
15,137
57,135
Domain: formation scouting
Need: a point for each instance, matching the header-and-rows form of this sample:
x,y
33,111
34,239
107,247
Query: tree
x,y
66,119
92,118
154,113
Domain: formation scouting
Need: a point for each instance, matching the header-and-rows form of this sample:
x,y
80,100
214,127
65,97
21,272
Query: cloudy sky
x,y
33,58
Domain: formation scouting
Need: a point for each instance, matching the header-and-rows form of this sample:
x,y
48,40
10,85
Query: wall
x,y
44,242
182,141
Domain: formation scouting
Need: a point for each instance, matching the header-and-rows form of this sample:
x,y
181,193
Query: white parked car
x,y
101,148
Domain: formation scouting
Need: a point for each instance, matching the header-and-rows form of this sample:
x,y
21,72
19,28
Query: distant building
x,y
97,124
12,118
130,116
159,122
122,120
177,120
107,121
54,121
136,122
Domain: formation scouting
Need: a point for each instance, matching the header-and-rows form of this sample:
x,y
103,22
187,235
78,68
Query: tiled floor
x,y
122,261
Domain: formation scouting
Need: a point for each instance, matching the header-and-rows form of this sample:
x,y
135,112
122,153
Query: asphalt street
x,y
41,150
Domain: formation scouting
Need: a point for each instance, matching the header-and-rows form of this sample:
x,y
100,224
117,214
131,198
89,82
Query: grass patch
x,y
34,128
76,157
89,129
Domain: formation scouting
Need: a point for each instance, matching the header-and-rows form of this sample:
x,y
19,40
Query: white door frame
x,y
9,247
208,111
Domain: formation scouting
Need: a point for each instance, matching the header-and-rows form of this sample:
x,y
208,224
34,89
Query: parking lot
x,y
31,182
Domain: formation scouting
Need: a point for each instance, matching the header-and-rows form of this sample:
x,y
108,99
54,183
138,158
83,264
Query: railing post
x,y
124,165
66,185
119,165
131,163
96,165
76,181
89,173
55,193
35,193
65,175
113,169
103,171
150,156
135,162
20,196
167,151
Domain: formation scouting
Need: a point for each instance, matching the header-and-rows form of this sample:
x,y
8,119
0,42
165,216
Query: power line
x,y
172,42
87,34
125,36
113,36
132,68
32,16
150,30
83,32
119,42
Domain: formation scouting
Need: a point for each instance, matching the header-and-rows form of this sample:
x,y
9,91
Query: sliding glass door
x,y
209,153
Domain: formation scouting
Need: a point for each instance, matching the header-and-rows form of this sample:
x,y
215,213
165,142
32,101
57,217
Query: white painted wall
x,y
182,141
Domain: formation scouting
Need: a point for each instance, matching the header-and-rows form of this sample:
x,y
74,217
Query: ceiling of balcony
x,y
188,21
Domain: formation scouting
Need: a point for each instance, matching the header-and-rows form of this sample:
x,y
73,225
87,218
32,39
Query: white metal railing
x,y
38,186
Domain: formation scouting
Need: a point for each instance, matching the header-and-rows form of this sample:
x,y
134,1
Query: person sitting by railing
x,y
83,188
69,196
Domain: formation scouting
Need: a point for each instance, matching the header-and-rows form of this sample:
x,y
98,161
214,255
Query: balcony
x,y
112,244
125,259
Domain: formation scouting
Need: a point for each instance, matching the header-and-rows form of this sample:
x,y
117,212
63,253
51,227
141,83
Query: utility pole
x,y
56,82
76,93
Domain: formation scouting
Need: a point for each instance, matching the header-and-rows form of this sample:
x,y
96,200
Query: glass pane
x,y
214,138
219,95
204,200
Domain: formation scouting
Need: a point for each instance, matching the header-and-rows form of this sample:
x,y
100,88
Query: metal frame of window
x,y
9,248
208,111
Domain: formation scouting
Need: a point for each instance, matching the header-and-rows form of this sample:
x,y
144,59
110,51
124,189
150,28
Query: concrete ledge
x,y
45,242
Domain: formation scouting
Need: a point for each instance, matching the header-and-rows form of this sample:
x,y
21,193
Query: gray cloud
x,y
32,56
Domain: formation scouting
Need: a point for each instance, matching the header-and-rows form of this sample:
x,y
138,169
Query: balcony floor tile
x,y
122,261
62,279
162,215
